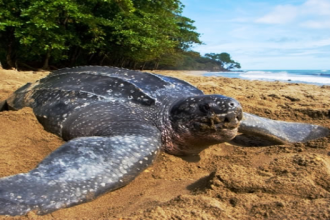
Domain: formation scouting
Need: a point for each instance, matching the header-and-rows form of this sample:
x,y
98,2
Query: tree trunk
x,y
131,64
144,64
104,57
123,62
156,65
91,57
75,55
9,55
46,61
9,32
16,65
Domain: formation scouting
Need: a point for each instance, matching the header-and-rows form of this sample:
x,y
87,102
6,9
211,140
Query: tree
x,y
113,32
224,60
9,20
192,60
156,30
41,29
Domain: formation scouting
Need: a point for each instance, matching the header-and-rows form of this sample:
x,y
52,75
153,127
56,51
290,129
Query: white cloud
x,y
316,14
241,19
316,24
311,14
280,15
270,49
321,43
266,35
321,7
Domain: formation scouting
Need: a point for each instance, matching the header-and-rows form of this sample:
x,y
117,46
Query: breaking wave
x,y
317,77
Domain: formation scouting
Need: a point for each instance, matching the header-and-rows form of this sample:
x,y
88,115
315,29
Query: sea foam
x,y
317,77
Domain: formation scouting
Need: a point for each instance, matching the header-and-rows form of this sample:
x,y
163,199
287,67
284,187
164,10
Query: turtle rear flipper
x,y
79,171
3,106
280,131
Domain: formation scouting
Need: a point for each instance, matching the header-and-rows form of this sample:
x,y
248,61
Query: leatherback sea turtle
x,y
115,122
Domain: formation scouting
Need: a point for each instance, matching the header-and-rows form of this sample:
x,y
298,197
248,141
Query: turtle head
x,y
200,121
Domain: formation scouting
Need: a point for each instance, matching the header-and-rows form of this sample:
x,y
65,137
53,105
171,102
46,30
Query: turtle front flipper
x,y
79,171
281,131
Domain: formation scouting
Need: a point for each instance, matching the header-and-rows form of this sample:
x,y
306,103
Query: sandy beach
x,y
246,178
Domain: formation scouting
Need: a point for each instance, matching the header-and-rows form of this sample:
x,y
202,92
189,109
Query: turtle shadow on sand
x,y
115,122
245,140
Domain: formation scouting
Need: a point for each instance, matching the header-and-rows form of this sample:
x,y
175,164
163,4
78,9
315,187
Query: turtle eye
x,y
205,107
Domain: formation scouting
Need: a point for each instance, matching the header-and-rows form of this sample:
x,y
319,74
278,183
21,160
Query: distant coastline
x,y
315,77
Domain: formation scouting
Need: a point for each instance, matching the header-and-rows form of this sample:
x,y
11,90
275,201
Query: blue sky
x,y
260,34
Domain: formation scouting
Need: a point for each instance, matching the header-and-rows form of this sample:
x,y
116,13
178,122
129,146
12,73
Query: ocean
x,y
316,77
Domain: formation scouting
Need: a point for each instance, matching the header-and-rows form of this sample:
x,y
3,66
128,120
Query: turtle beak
x,y
233,119
234,114
221,121
217,121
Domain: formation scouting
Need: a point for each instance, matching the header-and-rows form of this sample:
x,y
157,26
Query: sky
x,y
260,34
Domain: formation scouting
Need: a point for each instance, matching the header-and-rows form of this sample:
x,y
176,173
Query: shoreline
x,y
176,72
313,77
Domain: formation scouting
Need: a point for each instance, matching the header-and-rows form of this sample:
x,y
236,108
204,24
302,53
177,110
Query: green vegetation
x,y
191,60
127,33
